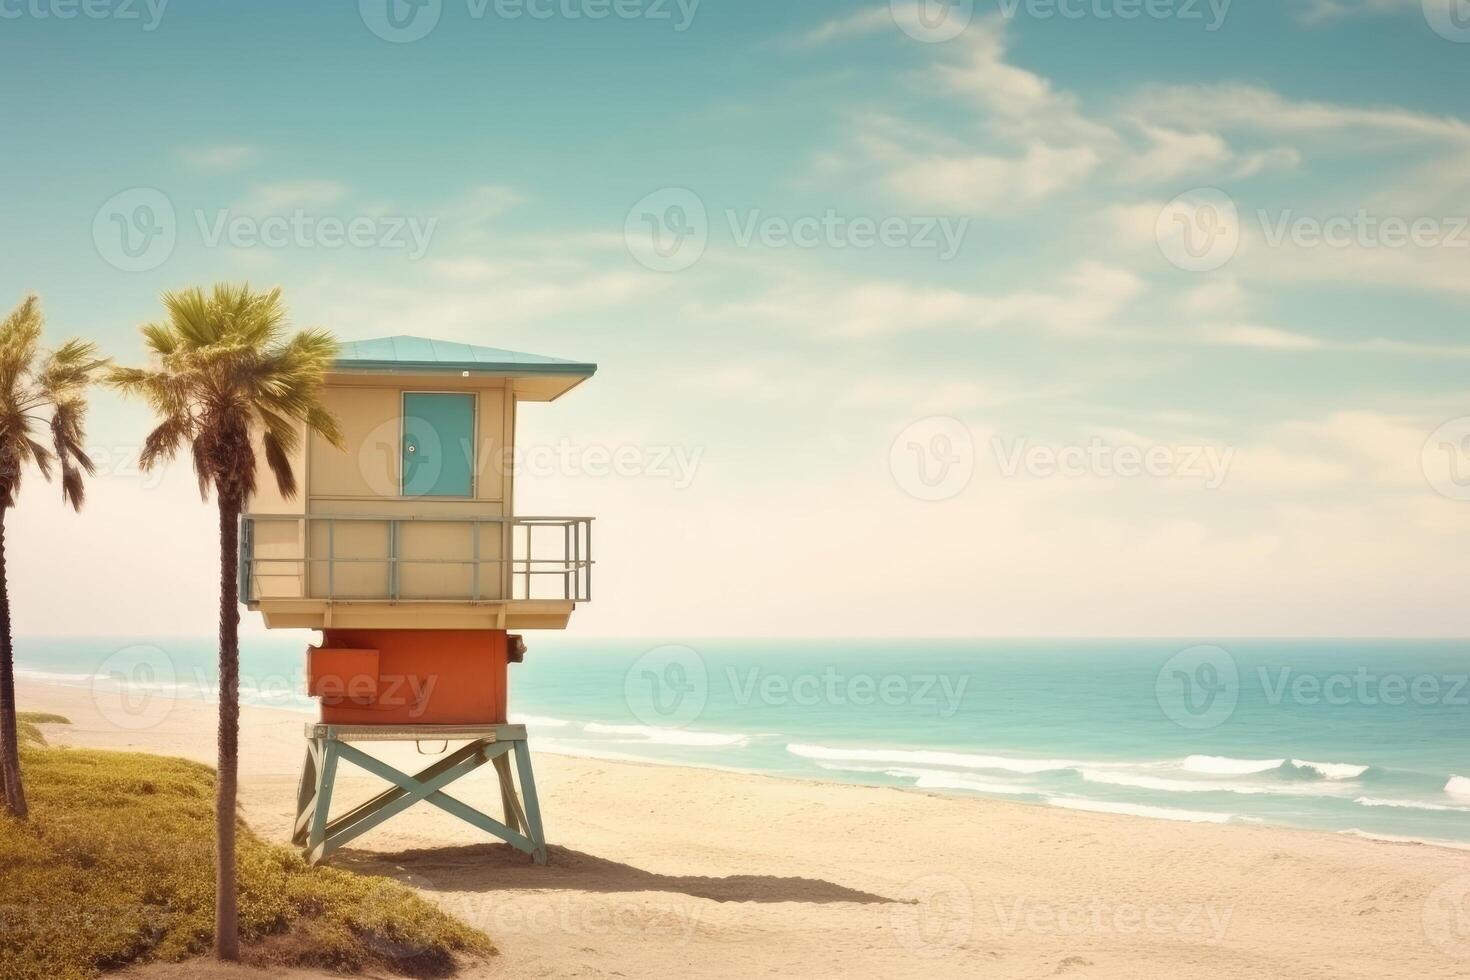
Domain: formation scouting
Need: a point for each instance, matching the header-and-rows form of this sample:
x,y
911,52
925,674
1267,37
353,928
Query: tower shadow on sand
x,y
499,867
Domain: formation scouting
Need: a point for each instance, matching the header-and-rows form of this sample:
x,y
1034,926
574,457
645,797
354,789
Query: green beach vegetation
x,y
116,867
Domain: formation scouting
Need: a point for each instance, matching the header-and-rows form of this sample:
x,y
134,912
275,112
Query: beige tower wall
x,y
363,479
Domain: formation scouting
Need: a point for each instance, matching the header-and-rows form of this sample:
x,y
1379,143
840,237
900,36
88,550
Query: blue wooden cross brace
x,y
320,834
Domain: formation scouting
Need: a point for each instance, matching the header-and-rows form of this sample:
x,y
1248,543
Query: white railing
x,y
371,558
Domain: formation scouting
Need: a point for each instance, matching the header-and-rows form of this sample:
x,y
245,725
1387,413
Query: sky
x,y
991,318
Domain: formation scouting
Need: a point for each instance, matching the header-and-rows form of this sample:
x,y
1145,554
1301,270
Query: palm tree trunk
x,y
226,910
15,797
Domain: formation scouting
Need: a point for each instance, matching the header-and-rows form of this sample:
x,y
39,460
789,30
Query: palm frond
x,y
223,368
325,424
39,455
20,337
68,434
164,442
278,458
160,338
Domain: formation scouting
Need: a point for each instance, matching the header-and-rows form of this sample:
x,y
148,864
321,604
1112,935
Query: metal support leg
x,y
533,805
305,795
515,818
317,836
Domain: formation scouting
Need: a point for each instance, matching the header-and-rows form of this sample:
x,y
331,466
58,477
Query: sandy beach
x,y
664,871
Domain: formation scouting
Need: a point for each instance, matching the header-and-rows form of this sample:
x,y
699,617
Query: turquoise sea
x,y
1367,737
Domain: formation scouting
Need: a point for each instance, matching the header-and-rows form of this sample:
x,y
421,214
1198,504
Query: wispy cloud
x,y
277,197
1239,106
1084,299
860,23
224,157
1317,11
1024,140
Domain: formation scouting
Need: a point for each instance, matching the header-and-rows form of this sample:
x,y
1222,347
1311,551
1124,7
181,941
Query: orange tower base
x,y
409,677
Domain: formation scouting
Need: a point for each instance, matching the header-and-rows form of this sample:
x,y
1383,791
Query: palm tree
x,y
223,374
36,389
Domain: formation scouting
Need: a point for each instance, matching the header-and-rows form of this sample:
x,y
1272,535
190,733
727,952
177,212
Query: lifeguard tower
x,y
405,550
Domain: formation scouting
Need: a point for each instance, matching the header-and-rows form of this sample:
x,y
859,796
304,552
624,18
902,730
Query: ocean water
x,y
1368,737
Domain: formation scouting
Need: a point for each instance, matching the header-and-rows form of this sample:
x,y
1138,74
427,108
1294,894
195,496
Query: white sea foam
x,y
1219,765
31,673
668,736
847,767
177,688
1396,839
1408,804
536,721
940,779
583,750
1458,786
1210,786
1332,770
1135,810
929,757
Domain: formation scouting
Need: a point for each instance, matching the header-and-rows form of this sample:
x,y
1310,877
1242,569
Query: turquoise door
x,y
438,445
